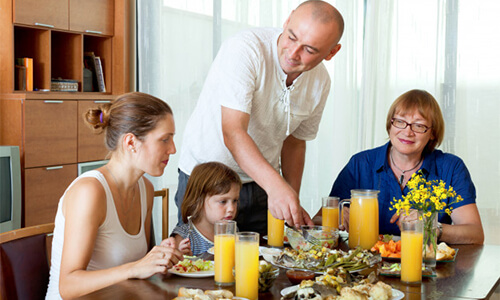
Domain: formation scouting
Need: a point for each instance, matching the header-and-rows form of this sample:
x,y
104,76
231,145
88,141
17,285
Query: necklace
x,y
402,177
120,194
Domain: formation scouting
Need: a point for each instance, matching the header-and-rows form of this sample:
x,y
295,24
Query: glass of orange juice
x,y
363,218
224,240
330,212
275,231
246,265
411,251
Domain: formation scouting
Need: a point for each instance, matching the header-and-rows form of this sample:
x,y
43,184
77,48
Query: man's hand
x,y
284,204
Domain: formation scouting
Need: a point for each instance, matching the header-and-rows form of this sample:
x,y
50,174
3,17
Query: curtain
x,y
449,48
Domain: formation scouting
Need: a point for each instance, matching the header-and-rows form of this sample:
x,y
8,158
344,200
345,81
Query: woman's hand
x,y
404,217
158,260
168,242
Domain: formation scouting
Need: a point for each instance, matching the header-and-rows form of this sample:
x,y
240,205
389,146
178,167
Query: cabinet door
x,y
43,187
50,133
90,145
47,13
93,16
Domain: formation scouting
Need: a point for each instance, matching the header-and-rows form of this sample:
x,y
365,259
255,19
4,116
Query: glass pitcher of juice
x,y
363,218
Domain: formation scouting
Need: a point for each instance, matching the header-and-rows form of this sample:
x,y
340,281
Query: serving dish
x,y
396,294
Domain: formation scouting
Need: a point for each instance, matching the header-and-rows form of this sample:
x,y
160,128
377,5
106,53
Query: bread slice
x,y
187,292
219,294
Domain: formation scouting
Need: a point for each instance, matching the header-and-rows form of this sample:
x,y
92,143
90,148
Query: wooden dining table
x,y
474,274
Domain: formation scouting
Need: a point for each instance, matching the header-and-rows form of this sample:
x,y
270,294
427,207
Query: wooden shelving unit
x,y
47,126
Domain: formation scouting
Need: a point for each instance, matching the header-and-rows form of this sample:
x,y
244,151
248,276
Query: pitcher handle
x,y
341,208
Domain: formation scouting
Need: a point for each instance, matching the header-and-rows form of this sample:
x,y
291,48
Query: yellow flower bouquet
x,y
428,198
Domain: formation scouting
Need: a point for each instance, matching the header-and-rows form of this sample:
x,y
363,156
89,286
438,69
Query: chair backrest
x,y
24,264
163,193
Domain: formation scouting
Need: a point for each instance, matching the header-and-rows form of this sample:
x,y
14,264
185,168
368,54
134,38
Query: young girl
x,y
103,220
212,194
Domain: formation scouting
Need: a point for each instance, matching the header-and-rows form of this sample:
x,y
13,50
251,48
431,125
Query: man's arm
x,y
283,201
293,155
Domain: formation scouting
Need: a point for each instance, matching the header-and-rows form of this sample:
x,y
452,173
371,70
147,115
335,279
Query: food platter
x,y
396,294
199,274
273,260
198,268
350,262
394,270
397,259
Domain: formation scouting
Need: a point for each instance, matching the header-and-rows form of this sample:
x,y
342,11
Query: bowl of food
x,y
327,237
267,275
296,276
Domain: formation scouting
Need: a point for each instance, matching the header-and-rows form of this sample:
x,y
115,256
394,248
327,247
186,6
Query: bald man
x,y
262,100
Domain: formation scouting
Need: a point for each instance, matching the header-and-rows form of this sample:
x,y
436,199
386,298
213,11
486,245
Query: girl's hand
x,y
185,247
158,260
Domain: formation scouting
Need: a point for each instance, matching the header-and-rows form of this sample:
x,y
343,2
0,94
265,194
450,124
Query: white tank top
x,y
113,245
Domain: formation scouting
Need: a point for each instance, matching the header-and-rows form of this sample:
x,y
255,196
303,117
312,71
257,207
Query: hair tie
x,y
100,117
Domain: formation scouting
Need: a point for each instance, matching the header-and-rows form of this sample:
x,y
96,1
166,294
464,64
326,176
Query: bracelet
x,y
440,231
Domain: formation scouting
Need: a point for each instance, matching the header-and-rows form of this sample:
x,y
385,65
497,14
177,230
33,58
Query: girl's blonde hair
x,y
207,179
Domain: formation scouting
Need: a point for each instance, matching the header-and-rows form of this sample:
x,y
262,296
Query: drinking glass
x,y
275,231
411,251
224,241
247,265
330,212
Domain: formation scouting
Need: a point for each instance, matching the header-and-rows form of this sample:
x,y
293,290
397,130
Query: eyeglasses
x,y
415,127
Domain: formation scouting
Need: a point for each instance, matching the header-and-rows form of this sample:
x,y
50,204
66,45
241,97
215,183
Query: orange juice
x,y
363,222
275,231
411,256
224,258
247,269
330,216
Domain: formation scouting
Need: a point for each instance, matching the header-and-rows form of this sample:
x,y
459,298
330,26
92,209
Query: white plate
x,y
396,294
200,274
262,250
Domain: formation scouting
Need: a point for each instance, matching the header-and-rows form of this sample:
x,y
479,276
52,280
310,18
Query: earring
x,y
132,149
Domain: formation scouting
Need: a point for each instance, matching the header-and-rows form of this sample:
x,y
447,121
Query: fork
x,y
190,227
310,238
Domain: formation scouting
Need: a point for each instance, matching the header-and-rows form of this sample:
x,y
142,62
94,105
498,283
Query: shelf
x,y
101,46
66,57
34,43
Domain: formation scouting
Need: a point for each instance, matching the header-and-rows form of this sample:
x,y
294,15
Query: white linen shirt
x,y
246,76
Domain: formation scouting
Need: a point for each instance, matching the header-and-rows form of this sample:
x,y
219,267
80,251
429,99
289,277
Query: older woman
x,y
416,127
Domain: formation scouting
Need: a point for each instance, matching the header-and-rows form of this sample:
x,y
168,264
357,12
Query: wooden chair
x,y
24,262
163,193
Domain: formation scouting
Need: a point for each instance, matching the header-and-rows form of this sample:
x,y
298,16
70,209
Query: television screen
x,y
5,190
10,188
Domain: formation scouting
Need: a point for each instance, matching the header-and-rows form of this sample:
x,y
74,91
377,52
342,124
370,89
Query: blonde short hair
x,y
427,107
